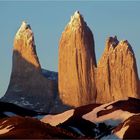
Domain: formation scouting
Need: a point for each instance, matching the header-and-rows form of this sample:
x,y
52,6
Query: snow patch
x,y
22,28
10,114
76,15
57,119
26,103
109,107
39,117
75,21
114,118
77,130
6,129
4,122
22,102
121,133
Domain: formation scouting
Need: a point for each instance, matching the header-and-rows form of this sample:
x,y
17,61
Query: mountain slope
x,y
99,119
29,128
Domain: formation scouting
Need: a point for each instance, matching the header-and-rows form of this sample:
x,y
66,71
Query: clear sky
x,y
48,19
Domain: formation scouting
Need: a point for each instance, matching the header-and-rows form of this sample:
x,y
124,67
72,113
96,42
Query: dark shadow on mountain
x,y
9,109
29,88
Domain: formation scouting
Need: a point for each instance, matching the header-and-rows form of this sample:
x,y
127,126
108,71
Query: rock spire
x,y
76,63
117,76
28,87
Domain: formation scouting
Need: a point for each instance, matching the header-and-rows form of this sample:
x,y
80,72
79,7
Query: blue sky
x,y
48,19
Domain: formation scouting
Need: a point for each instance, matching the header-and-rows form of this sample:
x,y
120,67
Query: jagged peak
x,y
76,20
24,27
124,44
76,16
111,42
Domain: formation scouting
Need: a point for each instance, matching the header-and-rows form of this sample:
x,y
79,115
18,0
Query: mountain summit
x,y
76,63
76,21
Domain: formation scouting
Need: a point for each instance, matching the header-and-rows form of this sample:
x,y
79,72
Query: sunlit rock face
x,y
77,62
28,87
25,50
117,76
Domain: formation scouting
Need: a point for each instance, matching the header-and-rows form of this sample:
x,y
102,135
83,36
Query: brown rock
x,y
76,63
129,129
18,127
28,87
117,76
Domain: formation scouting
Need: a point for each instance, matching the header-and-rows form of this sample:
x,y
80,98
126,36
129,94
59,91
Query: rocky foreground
x,y
115,120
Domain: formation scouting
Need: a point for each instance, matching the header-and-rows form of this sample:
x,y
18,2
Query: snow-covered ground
x,y
57,119
77,130
114,118
39,117
6,129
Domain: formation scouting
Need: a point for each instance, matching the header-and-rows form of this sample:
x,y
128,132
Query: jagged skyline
x,y
47,30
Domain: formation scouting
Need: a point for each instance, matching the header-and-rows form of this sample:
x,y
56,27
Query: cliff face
x,y
76,63
28,87
117,76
